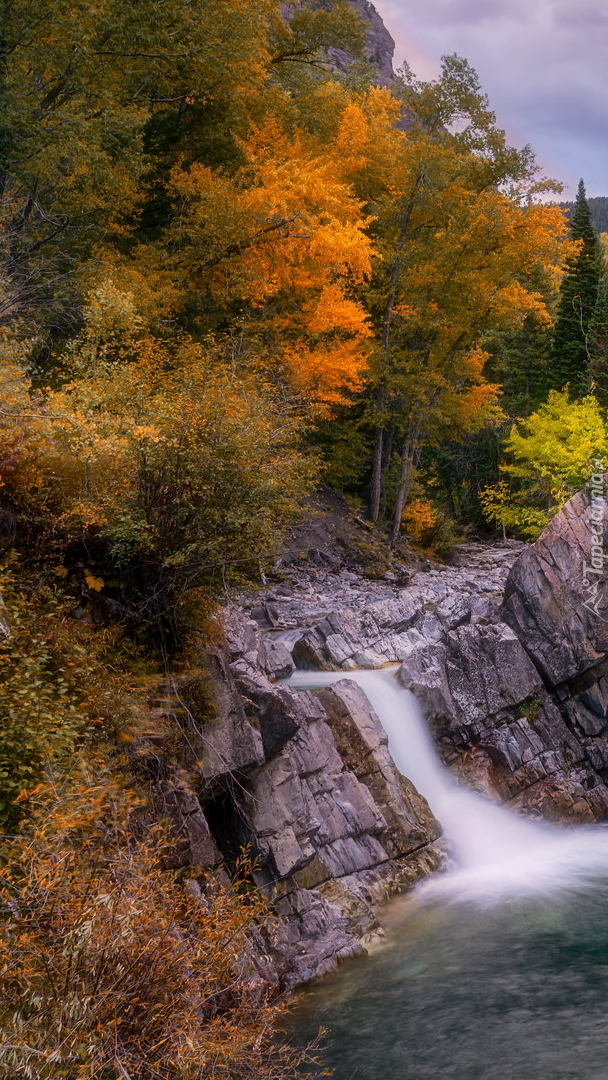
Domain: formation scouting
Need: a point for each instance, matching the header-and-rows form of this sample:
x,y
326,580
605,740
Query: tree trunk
x,y
380,458
405,480
389,438
409,461
375,489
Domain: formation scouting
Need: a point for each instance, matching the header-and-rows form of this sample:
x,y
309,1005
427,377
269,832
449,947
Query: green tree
x,y
571,356
518,361
99,101
548,458
599,343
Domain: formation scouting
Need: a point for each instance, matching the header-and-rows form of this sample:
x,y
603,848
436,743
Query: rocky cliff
x,y
506,652
507,657
380,47
526,696
305,783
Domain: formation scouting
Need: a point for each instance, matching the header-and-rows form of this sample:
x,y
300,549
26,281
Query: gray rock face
x,y
530,694
363,747
186,811
556,601
380,46
320,816
378,631
235,744
473,673
306,782
276,659
515,689
486,702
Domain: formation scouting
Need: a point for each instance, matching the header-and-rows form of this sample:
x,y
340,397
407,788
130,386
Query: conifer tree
x,y
599,343
571,351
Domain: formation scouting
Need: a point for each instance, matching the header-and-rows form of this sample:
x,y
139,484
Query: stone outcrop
x,y
558,610
305,783
380,45
379,48
492,716
336,832
507,655
506,652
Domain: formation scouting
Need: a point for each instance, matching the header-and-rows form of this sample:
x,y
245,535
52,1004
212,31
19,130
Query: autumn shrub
x,y
40,720
185,465
61,685
430,527
113,967
418,518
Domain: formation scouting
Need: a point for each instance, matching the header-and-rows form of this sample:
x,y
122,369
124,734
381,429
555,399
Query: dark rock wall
x,y
530,692
306,784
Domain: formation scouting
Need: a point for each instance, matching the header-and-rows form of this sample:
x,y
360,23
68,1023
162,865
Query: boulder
x,y
363,746
555,601
276,660
474,673
332,803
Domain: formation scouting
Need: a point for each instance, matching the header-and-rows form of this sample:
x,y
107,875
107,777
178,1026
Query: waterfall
x,y
496,854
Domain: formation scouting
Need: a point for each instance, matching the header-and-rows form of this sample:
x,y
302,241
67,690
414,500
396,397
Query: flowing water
x,y
495,970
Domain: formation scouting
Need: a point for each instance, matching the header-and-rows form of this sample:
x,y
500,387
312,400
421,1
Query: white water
x,y
496,853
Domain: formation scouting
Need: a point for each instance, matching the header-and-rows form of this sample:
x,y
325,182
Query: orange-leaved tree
x,y
282,244
461,235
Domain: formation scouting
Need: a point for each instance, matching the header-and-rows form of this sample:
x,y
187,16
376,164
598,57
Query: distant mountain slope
x,y
599,211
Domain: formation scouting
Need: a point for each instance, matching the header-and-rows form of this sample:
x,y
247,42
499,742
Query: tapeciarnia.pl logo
x,y
593,571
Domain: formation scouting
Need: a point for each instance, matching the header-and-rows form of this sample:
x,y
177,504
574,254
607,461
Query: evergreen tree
x,y
518,361
571,352
599,343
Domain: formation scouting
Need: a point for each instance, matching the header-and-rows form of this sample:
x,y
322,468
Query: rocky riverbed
x,y
508,664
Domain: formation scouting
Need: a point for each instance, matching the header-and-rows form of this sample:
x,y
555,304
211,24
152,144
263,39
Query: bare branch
x,y
243,245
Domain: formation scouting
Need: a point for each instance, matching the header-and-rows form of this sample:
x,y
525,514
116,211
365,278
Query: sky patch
x,y
543,64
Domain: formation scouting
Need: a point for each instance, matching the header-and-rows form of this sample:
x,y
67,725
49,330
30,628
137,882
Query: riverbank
x,y
305,778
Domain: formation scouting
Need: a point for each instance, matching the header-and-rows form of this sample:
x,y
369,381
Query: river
x,y
494,970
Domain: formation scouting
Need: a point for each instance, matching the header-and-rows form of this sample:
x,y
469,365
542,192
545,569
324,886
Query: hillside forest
x,y
231,269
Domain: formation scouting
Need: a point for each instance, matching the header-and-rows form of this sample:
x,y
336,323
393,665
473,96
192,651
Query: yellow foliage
x,y
418,517
179,459
547,459
94,583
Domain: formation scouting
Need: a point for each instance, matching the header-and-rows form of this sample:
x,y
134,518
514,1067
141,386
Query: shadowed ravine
x,y
497,968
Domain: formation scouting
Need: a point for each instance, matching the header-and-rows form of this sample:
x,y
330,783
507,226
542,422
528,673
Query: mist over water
x,y
494,970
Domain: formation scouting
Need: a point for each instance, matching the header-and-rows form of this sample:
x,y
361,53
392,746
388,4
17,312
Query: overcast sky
x,y
543,64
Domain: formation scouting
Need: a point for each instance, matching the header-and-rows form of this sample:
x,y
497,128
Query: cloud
x,y
542,63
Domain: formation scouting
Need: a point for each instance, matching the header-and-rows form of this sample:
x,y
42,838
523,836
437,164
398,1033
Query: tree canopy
x,y
571,356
